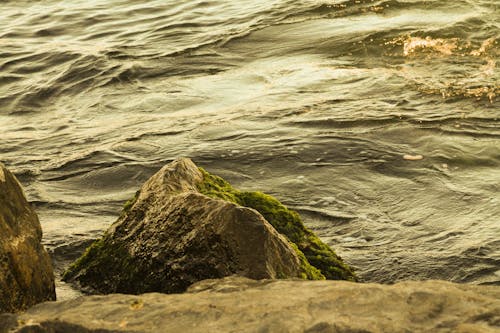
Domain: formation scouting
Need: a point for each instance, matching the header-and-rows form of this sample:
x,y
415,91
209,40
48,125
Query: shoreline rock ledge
x,y
186,225
26,274
237,304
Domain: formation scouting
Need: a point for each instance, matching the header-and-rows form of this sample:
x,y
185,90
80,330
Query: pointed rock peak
x,y
181,175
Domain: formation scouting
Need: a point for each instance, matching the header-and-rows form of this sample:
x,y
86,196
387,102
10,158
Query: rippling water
x,y
315,102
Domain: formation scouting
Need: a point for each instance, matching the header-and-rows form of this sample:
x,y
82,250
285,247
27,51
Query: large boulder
x,y
26,275
171,235
242,305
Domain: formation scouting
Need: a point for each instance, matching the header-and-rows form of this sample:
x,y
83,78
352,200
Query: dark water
x,y
315,102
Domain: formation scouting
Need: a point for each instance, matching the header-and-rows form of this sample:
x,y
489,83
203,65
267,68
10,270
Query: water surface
x,y
315,102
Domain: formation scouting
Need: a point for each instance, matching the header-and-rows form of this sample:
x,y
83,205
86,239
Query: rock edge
x,y
236,304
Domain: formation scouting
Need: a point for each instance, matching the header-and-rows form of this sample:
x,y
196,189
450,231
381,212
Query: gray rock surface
x,y
237,304
26,275
171,236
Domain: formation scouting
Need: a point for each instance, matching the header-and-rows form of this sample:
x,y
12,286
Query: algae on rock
x,y
287,222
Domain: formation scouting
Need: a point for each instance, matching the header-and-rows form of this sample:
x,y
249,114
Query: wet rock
x,y
26,275
237,304
170,236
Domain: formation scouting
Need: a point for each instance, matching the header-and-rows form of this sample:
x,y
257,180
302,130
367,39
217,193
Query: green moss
x,y
93,251
128,205
103,253
309,272
318,259
96,267
216,187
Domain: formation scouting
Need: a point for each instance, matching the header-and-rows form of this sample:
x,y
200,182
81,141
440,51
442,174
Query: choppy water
x,y
315,102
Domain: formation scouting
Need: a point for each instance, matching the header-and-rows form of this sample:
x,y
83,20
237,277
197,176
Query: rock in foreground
x,y
26,276
171,236
242,305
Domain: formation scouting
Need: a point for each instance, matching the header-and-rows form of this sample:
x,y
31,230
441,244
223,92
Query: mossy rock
x,y
99,257
173,233
287,222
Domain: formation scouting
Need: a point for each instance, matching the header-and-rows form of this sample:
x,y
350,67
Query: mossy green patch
x,y
318,259
100,259
93,251
216,187
129,203
309,272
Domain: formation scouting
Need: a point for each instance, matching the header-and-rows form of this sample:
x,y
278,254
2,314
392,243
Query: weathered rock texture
x,y
26,275
171,236
242,305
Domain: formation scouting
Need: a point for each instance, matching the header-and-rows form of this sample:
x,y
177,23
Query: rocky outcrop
x,y
241,305
26,276
170,236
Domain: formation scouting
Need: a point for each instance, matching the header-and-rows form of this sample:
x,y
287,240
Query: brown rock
x,y
241,305
26,275
172,236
